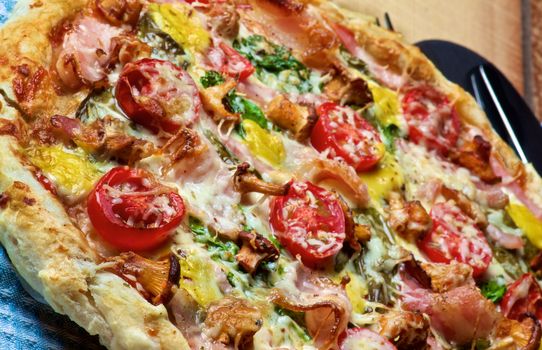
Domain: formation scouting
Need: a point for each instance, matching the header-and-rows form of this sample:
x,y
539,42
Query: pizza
x,y
272,174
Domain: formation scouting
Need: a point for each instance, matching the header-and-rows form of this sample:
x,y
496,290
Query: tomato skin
x,y
333,134
144,93
353,337
305,219
109,218
522,296
445,242
235,65
431,118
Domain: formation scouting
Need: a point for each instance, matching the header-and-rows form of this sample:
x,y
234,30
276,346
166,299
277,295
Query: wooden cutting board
x,y
491,28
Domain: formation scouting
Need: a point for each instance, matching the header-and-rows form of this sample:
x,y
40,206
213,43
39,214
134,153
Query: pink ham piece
x,y
504,239
459,315
85,52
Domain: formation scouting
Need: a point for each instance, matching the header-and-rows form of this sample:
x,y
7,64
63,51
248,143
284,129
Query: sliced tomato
x,y
363,338
523,296
309,222
432,119
157,95
345,135
131,210
454,236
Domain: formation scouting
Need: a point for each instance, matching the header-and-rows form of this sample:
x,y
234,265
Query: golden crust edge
x,y
52,255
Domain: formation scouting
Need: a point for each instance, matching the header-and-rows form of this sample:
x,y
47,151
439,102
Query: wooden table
x,y
492,28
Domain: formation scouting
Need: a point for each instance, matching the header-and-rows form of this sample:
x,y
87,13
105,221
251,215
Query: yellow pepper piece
x,y
526,221
197,279
386,104
263,144
71,171
181,22
356,290
386,177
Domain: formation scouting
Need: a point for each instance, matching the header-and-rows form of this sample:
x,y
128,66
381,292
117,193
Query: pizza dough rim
x,y
67,277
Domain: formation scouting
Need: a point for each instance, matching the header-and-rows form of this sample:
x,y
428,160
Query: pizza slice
x,y
258,174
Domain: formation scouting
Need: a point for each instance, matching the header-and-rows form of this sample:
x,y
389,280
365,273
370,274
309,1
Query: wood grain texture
x,y
536,55
490,27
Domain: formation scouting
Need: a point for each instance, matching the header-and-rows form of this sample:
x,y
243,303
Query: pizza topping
x,y
212,97
505,240
431,118
182,23
524,335
407,330
230,62
158,95
445,277
297,119
245,181
454,236
468,207
105,137
309,222
326,307
232,320
407,218
224,19
154,279
293,24
349,183
127,48
460,315
255,250
363,338
347,90
86,52
523,296
120,11
131,210
276,67
344,135
474,155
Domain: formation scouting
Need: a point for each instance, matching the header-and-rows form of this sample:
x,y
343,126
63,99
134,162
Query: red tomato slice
x,y
132,211
454,236
362,338
309,222
432,119
347,136
158,95
522,296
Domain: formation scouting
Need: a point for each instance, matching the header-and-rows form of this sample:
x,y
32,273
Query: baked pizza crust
x,y
53,256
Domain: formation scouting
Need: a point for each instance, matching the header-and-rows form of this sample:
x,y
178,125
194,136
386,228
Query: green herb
x,y
390,133
223,152
270,58
246,108
494,290
354,62
211,78
298,321
218,249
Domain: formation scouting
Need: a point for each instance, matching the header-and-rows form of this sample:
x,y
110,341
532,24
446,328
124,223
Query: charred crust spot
x,y
29,201
4,199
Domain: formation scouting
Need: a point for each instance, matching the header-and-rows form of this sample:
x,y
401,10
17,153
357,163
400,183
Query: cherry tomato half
x,y
309,222
362,338
157,95
431,118
347,136
454,236
522,296
132,211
